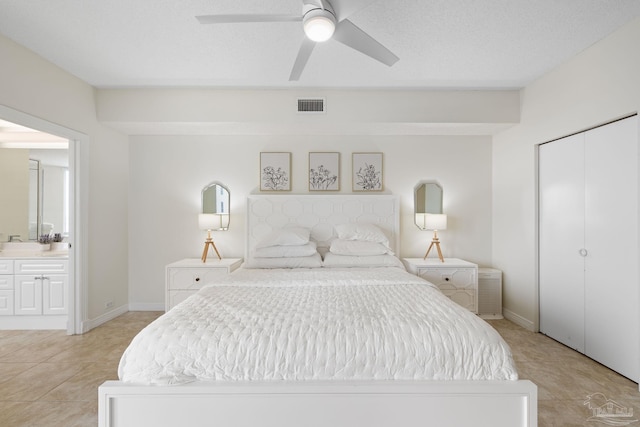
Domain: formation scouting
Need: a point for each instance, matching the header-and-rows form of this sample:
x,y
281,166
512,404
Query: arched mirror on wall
x,y
427,198
215,200
214,215
428,215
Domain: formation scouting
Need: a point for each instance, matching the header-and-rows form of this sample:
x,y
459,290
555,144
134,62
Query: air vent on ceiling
x,y
309,105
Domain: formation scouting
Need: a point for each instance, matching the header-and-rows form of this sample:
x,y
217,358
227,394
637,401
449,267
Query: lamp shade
x,y
213,221
208,221
435,221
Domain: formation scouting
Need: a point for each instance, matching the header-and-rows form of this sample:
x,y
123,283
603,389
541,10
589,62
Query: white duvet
x,y
317,324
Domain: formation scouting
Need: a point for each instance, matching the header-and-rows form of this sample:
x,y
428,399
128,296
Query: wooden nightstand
x,y
456,278
184,278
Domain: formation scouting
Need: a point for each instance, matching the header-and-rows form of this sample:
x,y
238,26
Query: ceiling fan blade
x,y
348,34
233,19
345,8
301,60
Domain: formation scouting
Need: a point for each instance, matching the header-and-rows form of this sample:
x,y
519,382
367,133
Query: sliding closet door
x,y
561,244
611,237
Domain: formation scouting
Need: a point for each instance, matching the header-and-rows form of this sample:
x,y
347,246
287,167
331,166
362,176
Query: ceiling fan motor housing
x,y
319,24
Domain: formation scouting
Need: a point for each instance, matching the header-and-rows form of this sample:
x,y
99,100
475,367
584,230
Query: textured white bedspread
x,y
317,324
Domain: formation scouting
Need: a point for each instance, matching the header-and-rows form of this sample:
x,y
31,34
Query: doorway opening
x,y
51,204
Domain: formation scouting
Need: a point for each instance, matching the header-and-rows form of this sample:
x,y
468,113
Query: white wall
x,y
597,86
167,174
14,193
31,85
273,112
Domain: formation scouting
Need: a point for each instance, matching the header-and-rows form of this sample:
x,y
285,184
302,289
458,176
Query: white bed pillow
x,y
366,232
332,260
313,261
358,248
289,236
284,251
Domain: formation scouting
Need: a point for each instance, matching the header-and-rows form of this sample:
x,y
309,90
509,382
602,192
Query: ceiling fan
x,y
321,21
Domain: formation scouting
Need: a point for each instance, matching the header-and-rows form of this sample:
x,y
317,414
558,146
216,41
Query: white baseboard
x,y
518,320
491,316
146,306
88,325
21,322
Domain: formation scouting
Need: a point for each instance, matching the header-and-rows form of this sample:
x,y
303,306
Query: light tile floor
x,y
565,378
50,379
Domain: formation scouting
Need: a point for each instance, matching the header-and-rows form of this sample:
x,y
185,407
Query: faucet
x,y
14,238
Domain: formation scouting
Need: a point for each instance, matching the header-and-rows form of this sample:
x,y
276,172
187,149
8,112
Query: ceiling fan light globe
x,y
319,28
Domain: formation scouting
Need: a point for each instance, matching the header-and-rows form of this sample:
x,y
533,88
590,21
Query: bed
x,y
321,345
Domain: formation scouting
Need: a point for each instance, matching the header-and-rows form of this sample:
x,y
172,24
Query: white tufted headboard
x,y
320,213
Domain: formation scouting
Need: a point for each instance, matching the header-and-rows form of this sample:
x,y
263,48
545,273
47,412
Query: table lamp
x,y
435,222
209,222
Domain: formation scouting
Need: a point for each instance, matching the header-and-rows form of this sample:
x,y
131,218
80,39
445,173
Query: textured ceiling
x,y
441,43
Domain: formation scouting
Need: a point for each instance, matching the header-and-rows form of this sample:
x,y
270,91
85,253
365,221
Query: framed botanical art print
x,y
366,171
275,171
324,171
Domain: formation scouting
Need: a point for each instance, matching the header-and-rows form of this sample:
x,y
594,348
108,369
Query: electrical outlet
x,y
108,304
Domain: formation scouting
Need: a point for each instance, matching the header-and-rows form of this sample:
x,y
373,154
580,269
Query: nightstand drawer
x,y
194,278
456,278
184,278
464,297
450,278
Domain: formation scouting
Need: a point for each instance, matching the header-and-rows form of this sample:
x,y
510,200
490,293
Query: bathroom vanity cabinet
x,y
34,293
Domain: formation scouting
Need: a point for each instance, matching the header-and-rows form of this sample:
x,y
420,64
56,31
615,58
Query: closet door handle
x,y
583,252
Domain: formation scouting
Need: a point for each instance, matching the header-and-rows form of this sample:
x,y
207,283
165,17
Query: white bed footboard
x,y
334,404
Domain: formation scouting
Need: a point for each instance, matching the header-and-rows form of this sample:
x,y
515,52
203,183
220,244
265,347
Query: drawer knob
x,y
197,279
446,279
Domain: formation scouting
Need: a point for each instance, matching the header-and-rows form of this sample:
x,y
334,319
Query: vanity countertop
x,y
34,254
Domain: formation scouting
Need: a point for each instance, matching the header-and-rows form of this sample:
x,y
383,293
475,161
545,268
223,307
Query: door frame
x,y
78,211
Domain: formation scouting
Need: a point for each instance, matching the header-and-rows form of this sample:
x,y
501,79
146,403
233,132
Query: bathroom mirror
x,y
35,199
35,193
215,200
427,198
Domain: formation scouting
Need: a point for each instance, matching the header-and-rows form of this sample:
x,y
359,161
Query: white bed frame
x,y
316,404
320,213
